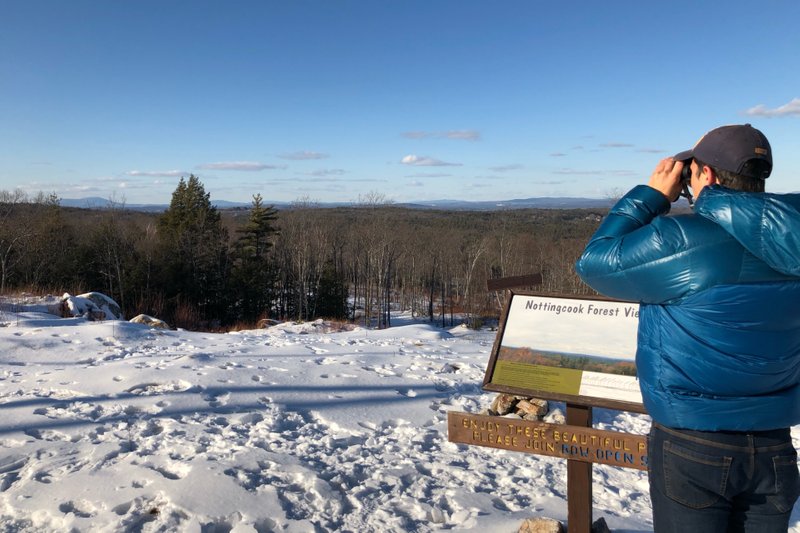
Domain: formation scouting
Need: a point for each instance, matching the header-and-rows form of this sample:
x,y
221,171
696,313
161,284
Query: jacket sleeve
x,y
635,254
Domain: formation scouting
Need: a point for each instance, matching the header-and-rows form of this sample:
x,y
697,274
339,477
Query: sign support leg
x,y
579,478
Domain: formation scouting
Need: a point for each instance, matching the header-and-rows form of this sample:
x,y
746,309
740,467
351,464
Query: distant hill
x,y
520,203
458,205
96,202
104,203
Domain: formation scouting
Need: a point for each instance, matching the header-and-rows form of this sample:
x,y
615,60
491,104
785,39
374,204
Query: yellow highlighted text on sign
x,y
537,377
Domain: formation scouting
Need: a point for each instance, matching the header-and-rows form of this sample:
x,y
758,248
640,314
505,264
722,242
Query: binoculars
x,y
686,171
686,177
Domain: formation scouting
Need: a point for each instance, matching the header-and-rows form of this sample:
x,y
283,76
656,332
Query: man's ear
x,y
708,176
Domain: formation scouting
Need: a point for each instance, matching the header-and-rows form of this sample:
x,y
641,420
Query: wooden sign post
x,y
579,477
581,352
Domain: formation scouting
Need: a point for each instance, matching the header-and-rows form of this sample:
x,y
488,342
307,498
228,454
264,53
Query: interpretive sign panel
x,y
569,349
579,351
568,442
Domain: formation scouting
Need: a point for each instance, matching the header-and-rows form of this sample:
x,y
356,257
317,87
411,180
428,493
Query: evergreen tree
x,y
255,236
253,275
193,252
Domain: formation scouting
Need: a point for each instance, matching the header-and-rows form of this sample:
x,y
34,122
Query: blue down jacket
x,y
719,324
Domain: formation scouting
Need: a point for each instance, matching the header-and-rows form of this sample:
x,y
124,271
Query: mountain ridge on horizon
x,y
544,202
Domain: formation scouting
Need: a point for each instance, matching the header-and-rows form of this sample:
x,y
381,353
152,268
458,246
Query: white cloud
x,y
552,182
247,166
590,172
465,135
506,168
616,145
157,173
574,172
459,135
424,161
623,173
792,108
327,172
304,155
429,175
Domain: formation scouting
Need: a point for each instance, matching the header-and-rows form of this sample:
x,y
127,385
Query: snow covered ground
x,y
113,426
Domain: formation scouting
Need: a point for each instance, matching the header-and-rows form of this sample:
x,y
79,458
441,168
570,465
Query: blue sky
x,y
414,100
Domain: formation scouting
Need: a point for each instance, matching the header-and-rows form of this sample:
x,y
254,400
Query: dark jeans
x,y
708,482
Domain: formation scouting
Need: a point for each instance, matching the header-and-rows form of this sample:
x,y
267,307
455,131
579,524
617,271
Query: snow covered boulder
x,y
149,321
92,305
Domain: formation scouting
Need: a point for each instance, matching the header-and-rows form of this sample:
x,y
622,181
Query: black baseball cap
x,y
729,148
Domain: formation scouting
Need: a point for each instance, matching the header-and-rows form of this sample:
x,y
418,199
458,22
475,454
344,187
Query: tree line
x,y
199,267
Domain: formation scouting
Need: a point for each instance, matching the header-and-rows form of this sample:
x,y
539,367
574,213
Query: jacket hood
x,y
767,225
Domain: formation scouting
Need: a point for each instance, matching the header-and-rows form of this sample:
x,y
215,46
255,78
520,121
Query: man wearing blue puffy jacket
x,y
718,353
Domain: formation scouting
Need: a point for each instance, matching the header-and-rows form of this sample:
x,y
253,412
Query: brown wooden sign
x,y
568,442
579,351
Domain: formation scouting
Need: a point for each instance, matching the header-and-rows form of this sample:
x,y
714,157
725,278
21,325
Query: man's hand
x,y
666,178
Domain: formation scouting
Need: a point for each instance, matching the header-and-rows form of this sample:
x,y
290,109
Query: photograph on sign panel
x,y
569,346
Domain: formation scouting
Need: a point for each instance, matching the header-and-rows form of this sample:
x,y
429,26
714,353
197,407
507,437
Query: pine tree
x,y
254,242
194,251
253,275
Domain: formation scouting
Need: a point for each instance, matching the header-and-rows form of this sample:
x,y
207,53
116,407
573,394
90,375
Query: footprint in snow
x,y
81,508
153,388
217,399
174,471
380,370
12,463
46,435
9,470
250,419
153,429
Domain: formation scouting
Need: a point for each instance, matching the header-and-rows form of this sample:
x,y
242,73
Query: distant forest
x,y
607,365
199,267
